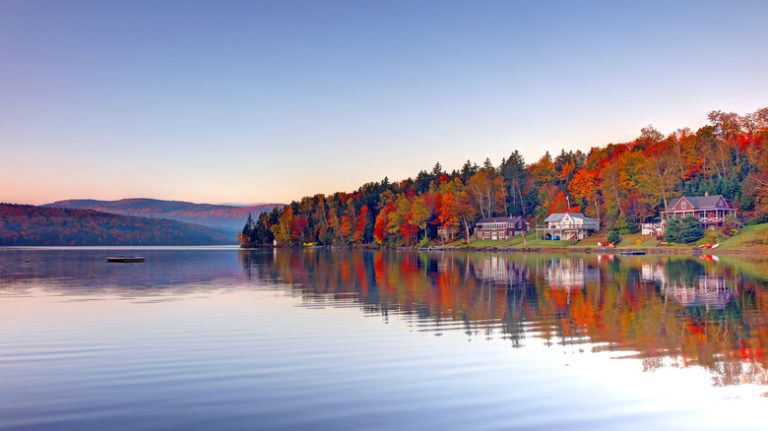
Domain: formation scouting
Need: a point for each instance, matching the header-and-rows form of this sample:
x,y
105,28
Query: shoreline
x,y
577,250
567,250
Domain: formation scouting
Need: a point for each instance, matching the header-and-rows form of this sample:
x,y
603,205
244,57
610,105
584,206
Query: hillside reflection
x,y
668,311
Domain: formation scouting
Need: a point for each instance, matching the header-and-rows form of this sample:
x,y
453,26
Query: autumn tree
x,y
420,211
585,187
282,231
487,192
362,224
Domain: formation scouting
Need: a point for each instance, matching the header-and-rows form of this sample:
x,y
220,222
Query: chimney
x,y
706,194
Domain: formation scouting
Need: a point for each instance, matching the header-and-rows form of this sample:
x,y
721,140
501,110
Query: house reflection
x,y
571,273
692,288
499,269
709,291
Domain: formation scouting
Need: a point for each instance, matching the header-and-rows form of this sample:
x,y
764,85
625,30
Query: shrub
x,y
684,230
731,226
624,226
713,236
613,236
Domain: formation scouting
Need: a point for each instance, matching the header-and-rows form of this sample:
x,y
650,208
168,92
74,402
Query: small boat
x,y
709,246
632,253
606,244
125,259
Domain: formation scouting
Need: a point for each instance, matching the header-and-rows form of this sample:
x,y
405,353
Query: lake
x,y
221,339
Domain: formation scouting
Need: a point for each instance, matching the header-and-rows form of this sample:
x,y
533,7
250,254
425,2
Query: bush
x,y
713,236
731,226
624,226
684,230
613,236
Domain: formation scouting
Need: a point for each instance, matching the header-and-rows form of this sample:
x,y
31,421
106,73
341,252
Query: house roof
x,y
701,202
559,216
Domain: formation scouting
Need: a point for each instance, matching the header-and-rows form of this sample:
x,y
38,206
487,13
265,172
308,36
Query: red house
x,y
710,210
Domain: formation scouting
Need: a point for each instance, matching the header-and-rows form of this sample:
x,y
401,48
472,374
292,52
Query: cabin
x,y
710,210
500,227
569,226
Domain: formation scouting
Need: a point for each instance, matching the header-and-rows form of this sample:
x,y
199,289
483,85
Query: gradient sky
x,y
269,101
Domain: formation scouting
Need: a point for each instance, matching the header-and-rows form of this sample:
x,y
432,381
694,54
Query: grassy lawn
x,y
516,242
755,236
631,241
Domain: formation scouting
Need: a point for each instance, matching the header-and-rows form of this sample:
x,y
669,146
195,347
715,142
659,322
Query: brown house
x,y
710,210
500,227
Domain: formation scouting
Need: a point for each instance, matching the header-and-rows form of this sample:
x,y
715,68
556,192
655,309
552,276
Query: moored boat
x,y
125,259
709,246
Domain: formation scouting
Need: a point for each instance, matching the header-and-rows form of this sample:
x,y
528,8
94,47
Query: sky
x,y
269,101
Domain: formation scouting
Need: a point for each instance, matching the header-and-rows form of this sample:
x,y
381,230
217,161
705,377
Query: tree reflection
x,y
680,311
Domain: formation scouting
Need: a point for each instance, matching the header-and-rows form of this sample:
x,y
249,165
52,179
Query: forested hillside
x,y
25,225
621,184
228,218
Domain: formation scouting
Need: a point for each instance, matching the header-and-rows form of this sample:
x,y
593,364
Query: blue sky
x,y
269,101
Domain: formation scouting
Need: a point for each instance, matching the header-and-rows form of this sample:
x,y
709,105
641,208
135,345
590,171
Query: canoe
x,y
126,259
632,253
709,246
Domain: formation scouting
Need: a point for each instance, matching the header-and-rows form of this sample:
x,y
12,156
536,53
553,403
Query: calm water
x,y
288,340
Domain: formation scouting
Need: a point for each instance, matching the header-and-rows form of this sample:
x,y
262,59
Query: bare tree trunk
x,y
466,229
618,201
597,212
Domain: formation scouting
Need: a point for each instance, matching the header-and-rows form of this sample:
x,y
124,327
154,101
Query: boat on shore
x,y
126,259
708,246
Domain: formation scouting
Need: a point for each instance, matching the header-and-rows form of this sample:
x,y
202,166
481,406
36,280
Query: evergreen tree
x,y
683,230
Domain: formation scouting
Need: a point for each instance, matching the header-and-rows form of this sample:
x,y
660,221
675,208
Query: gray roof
x,y
701,202
559,216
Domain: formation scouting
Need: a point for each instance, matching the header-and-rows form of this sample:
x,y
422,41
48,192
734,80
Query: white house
x,y
569,226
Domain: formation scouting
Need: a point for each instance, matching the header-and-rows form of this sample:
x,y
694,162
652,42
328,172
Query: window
x,y
684,205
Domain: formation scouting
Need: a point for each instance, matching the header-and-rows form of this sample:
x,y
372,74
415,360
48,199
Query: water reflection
x,y
83,271
669,311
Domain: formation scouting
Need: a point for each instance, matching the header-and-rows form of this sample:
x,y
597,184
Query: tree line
x,y
622,185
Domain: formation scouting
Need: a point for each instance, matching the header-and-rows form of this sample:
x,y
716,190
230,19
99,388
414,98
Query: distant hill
x,y
31,225
228,218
